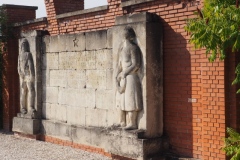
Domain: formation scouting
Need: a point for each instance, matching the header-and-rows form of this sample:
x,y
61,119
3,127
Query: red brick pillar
x,y
213,108
15,13
56,7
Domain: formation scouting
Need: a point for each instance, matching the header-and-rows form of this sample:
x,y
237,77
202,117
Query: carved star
x,y
75,42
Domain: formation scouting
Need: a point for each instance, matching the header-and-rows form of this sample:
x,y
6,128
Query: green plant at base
x,y
217,29
232,144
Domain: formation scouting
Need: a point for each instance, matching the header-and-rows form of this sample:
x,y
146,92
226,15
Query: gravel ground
x,y
19,148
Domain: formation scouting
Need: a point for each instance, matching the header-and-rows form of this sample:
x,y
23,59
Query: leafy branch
x,y
232,144
217,28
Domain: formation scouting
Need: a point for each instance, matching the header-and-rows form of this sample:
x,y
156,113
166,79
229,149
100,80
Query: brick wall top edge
x,y
19,6
91,10
43,19
130,3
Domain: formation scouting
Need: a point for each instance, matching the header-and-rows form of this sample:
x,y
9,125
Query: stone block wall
x,y
77,79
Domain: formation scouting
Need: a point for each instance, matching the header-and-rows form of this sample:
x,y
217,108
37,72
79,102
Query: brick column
x,y
55,7
15,13
213,108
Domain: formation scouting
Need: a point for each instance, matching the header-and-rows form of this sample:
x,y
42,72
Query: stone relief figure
x,y
27,78
128,83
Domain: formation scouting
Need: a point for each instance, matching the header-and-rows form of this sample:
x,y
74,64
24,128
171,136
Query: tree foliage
x,y
232,144
217,28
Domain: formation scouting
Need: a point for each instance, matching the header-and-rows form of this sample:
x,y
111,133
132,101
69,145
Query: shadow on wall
x,y
178,112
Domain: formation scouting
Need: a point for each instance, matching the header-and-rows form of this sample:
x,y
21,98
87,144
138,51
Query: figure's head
x,y
25,45
129,33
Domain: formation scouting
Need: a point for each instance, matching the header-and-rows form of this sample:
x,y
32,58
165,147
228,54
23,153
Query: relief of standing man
x,y
27,78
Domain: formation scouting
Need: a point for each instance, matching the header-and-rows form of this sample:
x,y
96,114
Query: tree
x,y
217,28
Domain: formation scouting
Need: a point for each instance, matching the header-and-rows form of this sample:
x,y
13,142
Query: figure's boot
x,y
122,118
23,110
33,113
132,121
23,103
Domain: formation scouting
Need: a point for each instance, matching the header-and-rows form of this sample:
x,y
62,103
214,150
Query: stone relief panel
x,y
128,85
26,73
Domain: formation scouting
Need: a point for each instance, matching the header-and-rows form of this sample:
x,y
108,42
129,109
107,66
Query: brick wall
x,y
10,84
196,128
16,13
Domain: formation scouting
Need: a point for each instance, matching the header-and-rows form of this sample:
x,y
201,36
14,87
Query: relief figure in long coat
x,y
128,82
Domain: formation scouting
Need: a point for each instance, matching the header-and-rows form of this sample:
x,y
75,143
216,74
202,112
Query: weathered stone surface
x,y
67,96
35,33
47,112
113,116
96,79
26,126
76,78
81,135
115,141
105,99
75,42
58,78
60,112
154,80
86,60
76,116
86,98
46,44
96,117
50,61
68,60
54,112
50,94
110,79
104,59
98,37
109,38
137,17
53,45
78,98
56,129
45,78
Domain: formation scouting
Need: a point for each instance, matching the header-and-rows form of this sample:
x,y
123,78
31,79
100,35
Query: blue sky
x,y
41,12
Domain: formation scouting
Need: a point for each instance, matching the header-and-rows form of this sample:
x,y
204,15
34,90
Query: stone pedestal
x,y
113,140
26,125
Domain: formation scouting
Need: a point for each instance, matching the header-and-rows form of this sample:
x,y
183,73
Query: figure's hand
x,y
121,76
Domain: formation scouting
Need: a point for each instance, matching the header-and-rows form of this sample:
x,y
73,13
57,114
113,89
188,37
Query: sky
x,y
41,12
